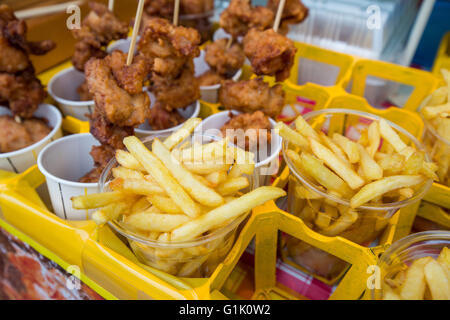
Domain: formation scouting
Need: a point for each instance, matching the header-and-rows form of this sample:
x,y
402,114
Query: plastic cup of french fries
x,y
209,93
63,89
63,162
178,199
416,267
20,160
267,161
351,172
435,113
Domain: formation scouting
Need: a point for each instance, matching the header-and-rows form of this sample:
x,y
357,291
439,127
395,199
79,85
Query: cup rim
x,y
63,100
380,207
51,176
275,152
428,125
169,130
172,244
409,240
217,86
42,141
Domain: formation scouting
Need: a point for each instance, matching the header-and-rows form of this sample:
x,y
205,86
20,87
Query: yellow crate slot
x,y
434,213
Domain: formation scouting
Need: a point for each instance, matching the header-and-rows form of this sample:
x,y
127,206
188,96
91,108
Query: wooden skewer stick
x,y
276,24
230,41
176,12
111,5
47,10
18,119
137,24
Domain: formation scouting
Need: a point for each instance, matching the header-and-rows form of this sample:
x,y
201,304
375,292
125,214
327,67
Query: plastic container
x,y
195,258
63,163
63,89
403,252
209,93
363,225
20,160
268,162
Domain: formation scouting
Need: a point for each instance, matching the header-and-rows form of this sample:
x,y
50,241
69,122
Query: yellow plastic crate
x,y
105,259
443,56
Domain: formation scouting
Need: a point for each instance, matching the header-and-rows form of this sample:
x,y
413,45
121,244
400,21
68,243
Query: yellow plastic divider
x,y
443,56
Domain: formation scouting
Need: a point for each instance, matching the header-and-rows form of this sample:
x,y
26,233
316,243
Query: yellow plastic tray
x,y
105,259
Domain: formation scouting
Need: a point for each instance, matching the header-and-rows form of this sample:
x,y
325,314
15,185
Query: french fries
x,y
437,137
169,195
425,279
346,164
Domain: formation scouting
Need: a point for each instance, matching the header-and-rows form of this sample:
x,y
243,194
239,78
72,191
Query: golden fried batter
x,y
101,156
209,78
252,95
161,118
247,121
83,92
21,93
225,61
159,8
113,102
196,6
169,47
108,133
178,92
16,136
240,16
98,29
294,12
12,60
270,53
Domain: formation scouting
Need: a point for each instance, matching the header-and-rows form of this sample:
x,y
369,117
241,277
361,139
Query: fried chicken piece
x,y
101,155
196,6
16,136
98,29
21,93
209,78
132,77
108,133
83,92
255,129
179,92
116,104
161,118
294,12
14,48
159,8
169,47
240,16
225,61
270,53
252,95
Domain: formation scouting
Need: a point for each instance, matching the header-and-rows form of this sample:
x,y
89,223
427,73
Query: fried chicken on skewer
x,y
224,61
98,29
16,136
270,53
209,78
177,92
240,16
169,47
236,129
252,95
114,102
294,12
161,118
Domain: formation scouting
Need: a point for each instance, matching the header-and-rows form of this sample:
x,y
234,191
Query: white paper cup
x,y
209,93
63,89
267,165
20,160
63,163
146,130
222,34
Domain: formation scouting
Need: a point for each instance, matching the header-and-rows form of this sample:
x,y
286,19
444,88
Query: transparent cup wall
x,y
196,258
404,252
308,201
439,151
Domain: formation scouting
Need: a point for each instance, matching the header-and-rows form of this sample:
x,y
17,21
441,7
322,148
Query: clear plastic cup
x,y
193,259
404,252
438,148
306,199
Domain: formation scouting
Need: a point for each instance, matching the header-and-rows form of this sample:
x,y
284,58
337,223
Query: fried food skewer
x,y
137,23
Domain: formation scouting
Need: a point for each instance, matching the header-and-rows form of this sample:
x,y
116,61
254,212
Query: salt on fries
x,y
173,194
426,278
437,116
